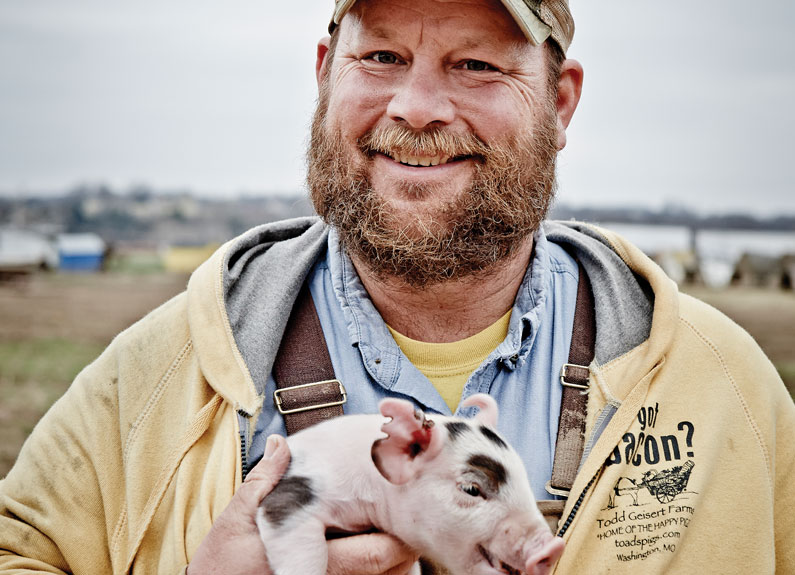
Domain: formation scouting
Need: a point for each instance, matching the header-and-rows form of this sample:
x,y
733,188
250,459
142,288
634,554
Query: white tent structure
x,y
24,251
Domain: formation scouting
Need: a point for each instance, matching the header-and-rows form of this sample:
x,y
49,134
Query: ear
x,y
410,443
487,408
569,91
321,63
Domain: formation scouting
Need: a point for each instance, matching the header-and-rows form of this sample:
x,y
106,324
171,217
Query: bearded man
x,y
433,275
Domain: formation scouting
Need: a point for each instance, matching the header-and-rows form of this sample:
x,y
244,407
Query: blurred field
x,y
51,325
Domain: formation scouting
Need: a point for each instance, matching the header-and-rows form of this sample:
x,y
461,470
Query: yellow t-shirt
x,y
449,365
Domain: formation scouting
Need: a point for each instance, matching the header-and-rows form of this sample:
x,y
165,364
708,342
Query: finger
x,y
403,568
267,473
369,554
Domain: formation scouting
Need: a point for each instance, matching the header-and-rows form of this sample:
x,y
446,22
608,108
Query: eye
x,y
477,66
384,57
472,489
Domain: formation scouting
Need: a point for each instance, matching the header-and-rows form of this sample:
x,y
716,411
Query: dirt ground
x,y
51,325
88,308
94,308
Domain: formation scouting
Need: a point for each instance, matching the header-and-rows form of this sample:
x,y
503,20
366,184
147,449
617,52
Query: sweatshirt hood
x,y
240,299
239,302
637,305
637,313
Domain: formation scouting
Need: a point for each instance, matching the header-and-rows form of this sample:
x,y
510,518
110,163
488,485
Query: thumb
x,y
268,472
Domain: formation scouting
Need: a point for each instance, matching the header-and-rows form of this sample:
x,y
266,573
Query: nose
x,y
421,99
543,562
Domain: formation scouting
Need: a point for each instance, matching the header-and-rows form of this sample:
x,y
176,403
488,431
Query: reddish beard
x,y
511,190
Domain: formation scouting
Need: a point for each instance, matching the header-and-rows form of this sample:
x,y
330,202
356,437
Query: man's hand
x,y
369,554
233,545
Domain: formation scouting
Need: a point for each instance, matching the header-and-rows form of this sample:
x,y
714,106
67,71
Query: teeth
x,y
419,160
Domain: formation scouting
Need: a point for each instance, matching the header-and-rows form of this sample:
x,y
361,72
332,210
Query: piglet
x,y
452,489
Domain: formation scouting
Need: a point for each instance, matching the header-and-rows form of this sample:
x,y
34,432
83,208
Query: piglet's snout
x,y
544,559
525,550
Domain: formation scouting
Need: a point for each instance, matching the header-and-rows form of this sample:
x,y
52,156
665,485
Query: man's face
x,y
434,141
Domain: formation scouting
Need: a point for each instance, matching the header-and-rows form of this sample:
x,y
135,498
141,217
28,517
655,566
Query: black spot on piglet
x,y
491,469
493,437
456,428
289,495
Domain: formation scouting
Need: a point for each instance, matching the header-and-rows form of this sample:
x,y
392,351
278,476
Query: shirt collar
x,y
530,305
366,329
381,355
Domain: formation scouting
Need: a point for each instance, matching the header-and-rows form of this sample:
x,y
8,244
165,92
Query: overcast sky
x,y
686,102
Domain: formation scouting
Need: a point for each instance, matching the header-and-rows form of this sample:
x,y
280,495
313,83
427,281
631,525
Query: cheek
x,y
464,501
501,109
356,105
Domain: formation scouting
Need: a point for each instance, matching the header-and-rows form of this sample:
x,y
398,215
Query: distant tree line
x,y
674,216
144,215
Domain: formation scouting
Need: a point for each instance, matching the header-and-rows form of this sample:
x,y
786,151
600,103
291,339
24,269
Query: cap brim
x,y
341,9
532,26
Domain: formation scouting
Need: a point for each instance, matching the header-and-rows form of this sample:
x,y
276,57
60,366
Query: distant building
x,y
80,252
25,251
788,264
758,270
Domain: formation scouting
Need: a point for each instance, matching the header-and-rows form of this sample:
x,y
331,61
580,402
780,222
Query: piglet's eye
x,y
471,489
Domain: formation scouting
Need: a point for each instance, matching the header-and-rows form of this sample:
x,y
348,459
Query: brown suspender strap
x,y
307,392
574,376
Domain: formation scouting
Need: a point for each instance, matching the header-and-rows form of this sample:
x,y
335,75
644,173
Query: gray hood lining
x,y
265,268
263,272
624,302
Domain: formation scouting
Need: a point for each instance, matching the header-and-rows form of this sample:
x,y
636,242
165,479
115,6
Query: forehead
x,y
469,23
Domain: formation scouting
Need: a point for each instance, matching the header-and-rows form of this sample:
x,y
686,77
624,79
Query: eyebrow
x,y
516,50
471,43
380,33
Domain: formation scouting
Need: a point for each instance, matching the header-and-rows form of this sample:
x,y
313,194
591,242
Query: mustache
x,y
395,139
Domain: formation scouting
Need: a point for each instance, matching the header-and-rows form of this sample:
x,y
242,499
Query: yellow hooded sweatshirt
x,y
687,469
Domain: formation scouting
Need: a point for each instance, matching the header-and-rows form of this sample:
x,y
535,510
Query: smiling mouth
x,y
499,566
422,161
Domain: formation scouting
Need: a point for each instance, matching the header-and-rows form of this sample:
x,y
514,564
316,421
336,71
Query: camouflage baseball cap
x,y
538,19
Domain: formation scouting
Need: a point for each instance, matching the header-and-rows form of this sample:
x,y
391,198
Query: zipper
x,y
243,424
576,507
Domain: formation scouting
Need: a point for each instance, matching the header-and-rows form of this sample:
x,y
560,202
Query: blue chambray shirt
x,y
522,373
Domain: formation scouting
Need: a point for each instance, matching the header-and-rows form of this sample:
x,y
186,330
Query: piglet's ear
x,y
487,408
411,442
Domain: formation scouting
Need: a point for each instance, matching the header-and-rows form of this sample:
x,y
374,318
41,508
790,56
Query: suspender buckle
x,y
301,391
559,491
575,376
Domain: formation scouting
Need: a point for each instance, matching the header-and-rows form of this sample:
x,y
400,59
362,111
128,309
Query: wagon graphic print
x,y
664,485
